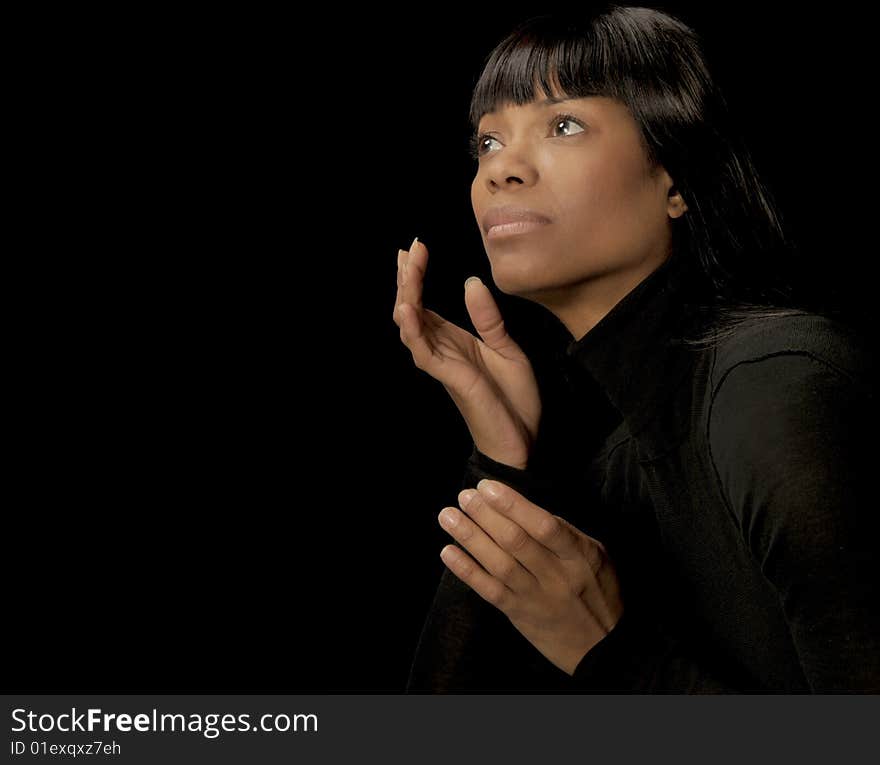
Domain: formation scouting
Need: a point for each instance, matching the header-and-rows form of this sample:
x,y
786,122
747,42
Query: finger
x,y
487,319
401,257
414,267
399,278
485,585
543,527
494,563
498,563
511,537
413,336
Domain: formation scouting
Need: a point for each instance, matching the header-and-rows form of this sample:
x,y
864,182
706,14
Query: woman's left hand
x,y
556,584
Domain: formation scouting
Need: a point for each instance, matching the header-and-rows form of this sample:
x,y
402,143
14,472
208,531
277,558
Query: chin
x,y
516,268
518,280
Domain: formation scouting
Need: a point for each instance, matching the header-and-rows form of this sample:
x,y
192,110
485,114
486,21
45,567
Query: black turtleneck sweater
x,y
730,487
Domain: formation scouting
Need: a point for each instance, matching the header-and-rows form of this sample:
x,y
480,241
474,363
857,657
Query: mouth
x,y
515,228
512,220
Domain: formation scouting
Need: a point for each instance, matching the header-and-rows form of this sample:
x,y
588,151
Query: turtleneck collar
x,y
632,351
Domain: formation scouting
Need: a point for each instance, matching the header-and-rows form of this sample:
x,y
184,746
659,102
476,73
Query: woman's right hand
x,y
490,380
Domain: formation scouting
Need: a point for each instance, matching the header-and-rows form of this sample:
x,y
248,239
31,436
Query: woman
x,y
706,526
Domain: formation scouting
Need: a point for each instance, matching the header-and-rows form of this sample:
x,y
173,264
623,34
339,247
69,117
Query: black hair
x,y
743,266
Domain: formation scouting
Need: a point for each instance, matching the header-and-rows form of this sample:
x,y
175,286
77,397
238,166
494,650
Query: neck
x,y
581,306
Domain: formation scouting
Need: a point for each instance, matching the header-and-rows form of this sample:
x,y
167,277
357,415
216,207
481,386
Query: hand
x,y
490,380
557,585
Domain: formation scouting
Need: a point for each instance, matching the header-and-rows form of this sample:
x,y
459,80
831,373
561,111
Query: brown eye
x,y
562,119
478,143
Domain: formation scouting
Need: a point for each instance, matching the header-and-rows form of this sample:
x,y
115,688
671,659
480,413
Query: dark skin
x,y
611,212
610,227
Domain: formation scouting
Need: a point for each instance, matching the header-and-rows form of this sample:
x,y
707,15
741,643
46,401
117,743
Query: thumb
x,y
486,317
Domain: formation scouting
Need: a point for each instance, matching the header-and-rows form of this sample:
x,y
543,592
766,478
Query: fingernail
x,y
472,279
489,489
465,497
413,244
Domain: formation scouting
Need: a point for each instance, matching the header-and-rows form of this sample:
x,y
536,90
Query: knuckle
x,y
507,505
464,531
505,570
465,568
593,560
496,595
549,529
576,587
515,538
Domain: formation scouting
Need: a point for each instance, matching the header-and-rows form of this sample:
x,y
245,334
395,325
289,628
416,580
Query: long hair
x,y
743,266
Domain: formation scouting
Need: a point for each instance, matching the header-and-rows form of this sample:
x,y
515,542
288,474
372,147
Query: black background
x,y
225,470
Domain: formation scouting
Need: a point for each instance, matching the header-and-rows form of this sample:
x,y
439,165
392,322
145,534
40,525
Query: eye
x,y
561,119
479,142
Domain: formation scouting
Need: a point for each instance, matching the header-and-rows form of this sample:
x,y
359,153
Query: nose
x,y
512,166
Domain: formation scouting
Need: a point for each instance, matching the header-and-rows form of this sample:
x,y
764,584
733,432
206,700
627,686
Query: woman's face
x,y
587,173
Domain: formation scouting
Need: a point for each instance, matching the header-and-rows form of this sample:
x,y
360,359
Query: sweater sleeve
x,y
790,439
638,656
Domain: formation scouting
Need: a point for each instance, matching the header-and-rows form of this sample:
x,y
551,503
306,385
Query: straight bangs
x,y
569,68
575,56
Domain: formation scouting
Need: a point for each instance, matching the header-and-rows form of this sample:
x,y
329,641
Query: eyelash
x,y
476,140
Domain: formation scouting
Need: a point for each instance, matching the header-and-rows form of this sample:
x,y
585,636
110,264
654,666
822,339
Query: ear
x,y
676,205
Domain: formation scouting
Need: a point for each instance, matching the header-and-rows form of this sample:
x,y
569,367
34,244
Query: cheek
x,y
606,198
476,197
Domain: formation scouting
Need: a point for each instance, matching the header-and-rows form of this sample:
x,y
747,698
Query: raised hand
x,y
489,377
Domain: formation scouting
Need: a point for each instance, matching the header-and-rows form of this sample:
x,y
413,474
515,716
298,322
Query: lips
x,y
506,214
